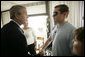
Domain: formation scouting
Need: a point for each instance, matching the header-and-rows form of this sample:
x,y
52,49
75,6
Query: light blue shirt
x,y
52,34
62,40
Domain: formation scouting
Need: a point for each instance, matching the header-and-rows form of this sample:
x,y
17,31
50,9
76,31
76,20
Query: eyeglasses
x,y
55,13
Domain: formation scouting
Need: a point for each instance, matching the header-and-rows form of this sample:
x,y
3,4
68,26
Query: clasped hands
x,y
42,52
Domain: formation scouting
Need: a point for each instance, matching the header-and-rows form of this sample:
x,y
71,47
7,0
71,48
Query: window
x,y
38,24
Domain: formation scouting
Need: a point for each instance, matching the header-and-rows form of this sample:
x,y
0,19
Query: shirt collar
x,y
58,26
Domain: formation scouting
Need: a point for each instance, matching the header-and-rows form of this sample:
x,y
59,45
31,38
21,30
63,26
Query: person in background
x,y
78,42
62,40
30,37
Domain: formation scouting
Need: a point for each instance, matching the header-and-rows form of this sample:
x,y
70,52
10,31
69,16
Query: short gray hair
x,y
15,9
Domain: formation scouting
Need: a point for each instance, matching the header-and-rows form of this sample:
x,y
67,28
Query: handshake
x,y
41,52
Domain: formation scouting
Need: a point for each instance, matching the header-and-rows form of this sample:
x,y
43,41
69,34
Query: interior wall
x,y
1,23
39,9
5,17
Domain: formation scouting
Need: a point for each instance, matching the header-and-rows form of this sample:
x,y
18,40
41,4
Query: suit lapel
x,y
16,25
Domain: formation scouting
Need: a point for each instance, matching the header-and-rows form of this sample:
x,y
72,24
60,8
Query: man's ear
x,y
16,15
65,14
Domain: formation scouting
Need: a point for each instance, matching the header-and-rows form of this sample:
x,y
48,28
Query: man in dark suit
x,y
13,41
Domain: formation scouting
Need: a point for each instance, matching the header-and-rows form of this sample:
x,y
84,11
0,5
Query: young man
x,y
62,41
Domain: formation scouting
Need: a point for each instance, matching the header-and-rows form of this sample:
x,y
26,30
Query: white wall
x,y
36,9
6,17
5,5
1,23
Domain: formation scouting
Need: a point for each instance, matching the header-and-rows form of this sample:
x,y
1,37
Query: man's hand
x,y
42,52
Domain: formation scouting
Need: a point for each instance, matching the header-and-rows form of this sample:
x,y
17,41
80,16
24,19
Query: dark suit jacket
x,y
13,41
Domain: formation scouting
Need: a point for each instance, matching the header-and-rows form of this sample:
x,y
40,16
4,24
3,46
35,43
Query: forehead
x,y
56,9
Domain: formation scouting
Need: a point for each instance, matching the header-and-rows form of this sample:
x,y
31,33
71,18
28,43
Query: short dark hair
x,y
62,8
79,33
15,9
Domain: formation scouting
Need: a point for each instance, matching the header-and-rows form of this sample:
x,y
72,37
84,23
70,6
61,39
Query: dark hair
x,y
15,9
79,33
63,8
